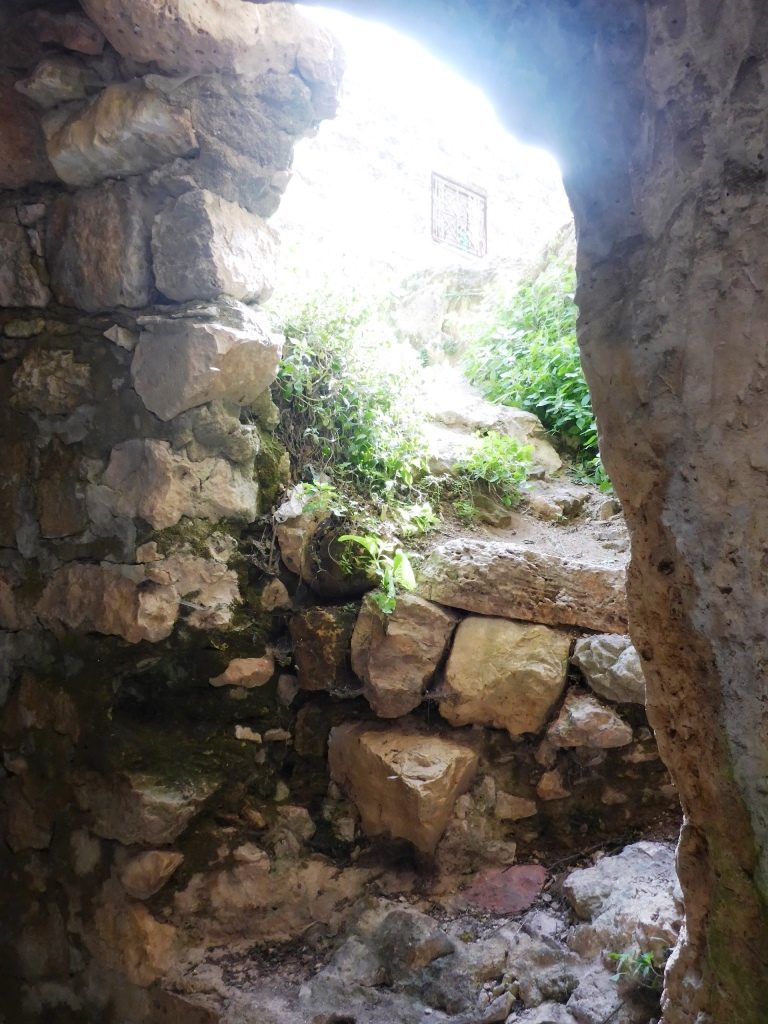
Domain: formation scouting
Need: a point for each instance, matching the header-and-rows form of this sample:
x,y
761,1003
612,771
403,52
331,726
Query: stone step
x,y
500,578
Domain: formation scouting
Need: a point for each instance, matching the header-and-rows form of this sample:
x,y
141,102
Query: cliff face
x,y
143,146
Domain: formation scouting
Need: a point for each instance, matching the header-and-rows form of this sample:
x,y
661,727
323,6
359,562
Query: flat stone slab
x,y
507,890
513,581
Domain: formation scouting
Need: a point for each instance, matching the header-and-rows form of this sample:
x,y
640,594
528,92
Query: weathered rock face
x,y
583,722
321,643
23,159
203,355
403,782
496,578
611,666
397,655
505,674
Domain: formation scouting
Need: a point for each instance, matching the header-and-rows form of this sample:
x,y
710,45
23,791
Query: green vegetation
x,y
529,358
389,564
500,465
645,969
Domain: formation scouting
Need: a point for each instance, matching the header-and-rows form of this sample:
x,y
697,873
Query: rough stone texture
x,y
140,809
146,873
611,666
496,578
206,37
23,158
20,283
57,80
506,674
111,599
148,479
397,655
321,642
201,355
51,381
246,672
403,782
97,248
126,129
228,251
585,722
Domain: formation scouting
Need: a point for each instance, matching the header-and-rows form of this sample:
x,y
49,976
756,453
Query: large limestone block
x,y
207,590
505,674
97,248
611,666
20,283
201,355
396,655
226,250
517,582
113,599
584,722
127,129
149,480
125,937
212,36
404,782
137,808
321,638
23,159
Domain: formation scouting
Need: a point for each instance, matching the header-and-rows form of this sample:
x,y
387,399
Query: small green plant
x,y
389,563
642,968
414,520
500,464
529,358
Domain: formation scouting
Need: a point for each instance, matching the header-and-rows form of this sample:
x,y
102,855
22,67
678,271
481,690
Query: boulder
x,y
513,808
407,941
57,80
97,247
51,381
23,158
517,582
246,672
207,38
505,674
125,130
227,250
396,655
296,521
69,29
139,809
321,639
117,600
630,901
207,590
202,354
611,667
404,782
584,722
20,283
147,479
125,937
146,873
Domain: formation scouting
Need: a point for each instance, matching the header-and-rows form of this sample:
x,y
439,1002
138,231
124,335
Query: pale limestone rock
x,y
126,937
147,479
206,589
86,852
113,599
505,674
248,735
97,247
20,283
127,129
122,337
287,689
200,355
321,639
213,37
397,655
52,382
611,666
246,672
513,808
296,521
145,874
584,722
517,582
23,159
136,808
403,782
556,501
550,786
275,597
227,250
56,80
277,736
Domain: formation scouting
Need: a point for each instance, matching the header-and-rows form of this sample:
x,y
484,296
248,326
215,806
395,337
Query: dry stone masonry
x,y
166,788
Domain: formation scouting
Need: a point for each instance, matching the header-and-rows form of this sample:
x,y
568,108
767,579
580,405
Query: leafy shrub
x,y
644,969
529,358
500,464
389,563
345,404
